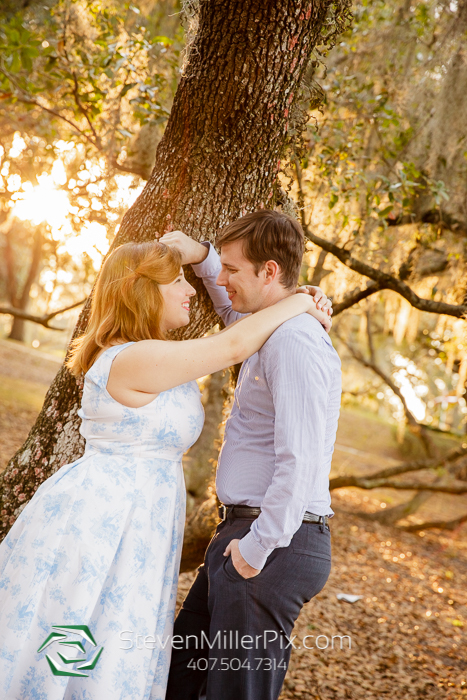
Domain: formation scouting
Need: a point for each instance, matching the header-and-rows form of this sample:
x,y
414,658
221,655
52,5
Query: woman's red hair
x,y
127,304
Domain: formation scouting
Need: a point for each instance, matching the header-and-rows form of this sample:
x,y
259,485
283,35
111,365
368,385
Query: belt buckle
x,y
222,511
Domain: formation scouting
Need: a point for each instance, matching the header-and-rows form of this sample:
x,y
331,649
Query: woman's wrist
x,y
310,302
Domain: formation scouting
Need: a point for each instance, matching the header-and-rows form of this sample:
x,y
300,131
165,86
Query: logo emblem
x,y
66,635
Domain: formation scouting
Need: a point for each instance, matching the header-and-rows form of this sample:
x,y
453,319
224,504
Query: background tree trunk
x,y
199,463
17,299
218,159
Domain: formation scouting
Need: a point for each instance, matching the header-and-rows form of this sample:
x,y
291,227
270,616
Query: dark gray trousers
x,y
248,622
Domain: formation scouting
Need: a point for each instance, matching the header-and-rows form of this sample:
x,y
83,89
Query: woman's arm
x,y
152,366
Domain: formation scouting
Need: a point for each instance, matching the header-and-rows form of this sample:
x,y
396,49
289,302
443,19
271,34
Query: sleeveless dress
x,y
98,547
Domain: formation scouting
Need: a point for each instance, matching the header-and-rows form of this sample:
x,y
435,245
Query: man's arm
x,y
208,270
206,264
298,378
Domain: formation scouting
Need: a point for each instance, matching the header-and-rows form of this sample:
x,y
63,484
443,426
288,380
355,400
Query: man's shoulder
x,y
300,337
305,329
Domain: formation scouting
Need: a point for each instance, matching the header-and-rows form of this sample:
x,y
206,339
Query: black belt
x,y
250,512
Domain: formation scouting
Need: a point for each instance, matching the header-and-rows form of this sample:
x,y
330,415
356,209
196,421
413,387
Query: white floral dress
x,y
98,547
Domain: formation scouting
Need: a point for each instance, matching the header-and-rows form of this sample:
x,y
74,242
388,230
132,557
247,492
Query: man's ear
x,y
271,271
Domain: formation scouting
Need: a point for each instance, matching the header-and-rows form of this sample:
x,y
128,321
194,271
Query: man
x,y
272,551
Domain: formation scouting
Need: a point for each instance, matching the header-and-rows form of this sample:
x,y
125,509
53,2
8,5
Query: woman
x,y
99,544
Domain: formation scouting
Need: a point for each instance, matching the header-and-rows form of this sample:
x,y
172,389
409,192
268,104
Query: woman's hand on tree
x,y
192,251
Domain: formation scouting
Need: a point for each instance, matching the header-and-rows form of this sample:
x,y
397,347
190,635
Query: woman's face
x,y
176,297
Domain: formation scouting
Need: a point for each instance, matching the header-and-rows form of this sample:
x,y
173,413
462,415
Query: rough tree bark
x,y
218,159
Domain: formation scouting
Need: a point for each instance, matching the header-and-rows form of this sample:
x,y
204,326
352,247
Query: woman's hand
x,y
192,251
322,301
322,315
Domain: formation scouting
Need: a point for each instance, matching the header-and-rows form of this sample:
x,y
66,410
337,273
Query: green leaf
x,y
127,87
26,60
16,64
384,212
163,40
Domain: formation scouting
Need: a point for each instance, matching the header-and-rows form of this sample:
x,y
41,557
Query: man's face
x,y
247,291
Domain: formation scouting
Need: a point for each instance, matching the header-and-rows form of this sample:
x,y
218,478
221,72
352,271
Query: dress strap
x,y
100,370
113,351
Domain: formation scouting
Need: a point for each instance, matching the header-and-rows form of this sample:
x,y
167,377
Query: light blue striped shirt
x,y
279,438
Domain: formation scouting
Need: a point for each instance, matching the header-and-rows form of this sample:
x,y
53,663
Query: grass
x,y
21,393
20,402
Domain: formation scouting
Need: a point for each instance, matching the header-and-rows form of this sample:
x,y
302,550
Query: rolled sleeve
x,y
297,377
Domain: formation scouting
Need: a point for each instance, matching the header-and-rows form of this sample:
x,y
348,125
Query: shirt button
x,y
256,378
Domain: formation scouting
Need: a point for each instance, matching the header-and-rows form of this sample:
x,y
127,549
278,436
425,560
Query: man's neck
x,y
275,295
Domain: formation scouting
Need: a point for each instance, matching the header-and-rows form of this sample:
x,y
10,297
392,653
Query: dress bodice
x,y
166,427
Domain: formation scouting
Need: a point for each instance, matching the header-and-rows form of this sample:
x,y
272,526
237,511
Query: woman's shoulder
x,y
100,368
112,350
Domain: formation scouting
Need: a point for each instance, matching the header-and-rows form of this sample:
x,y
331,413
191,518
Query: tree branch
x,y
371,365
35,103
96,142
84,112
41,320
439,524
416,428
417,465
356,296
370,483
125,168
390,516
385,280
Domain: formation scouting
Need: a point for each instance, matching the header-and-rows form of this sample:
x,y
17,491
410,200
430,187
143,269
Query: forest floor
x,y
25,376
406,636
408,631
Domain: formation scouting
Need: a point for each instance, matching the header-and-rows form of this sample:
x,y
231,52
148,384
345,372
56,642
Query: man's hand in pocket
x,y
238,561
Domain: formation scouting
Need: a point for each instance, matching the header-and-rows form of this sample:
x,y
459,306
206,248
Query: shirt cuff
x,y
210,265
252,552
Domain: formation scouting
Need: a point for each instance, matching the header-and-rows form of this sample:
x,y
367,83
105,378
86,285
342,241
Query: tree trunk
x,y
218,159
21,301
199,463
17,328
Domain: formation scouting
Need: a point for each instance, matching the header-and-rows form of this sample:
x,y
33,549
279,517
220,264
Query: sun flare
x,y
48,202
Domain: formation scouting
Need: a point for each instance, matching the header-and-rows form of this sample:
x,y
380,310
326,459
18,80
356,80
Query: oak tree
x,y
231,124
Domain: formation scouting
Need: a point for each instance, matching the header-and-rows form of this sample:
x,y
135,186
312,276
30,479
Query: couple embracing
x,y
99,544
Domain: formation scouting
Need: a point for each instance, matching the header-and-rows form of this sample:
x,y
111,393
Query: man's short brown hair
x,y
269,235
